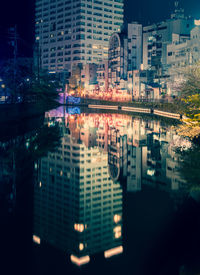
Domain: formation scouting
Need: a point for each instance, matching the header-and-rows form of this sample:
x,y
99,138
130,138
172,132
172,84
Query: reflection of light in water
x,y
117,218
117,231
80,261
114,251
36,239
81,246
79,227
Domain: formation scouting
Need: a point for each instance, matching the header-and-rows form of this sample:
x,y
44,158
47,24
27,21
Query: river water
x,y
98,193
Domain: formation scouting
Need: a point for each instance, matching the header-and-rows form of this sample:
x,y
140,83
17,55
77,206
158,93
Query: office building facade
x,y
75,31
157,36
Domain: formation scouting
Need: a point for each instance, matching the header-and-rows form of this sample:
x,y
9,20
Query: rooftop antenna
x,y
176,4
178,11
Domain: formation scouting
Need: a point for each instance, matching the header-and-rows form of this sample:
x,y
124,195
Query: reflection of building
x,y
78,208
140,152
117,154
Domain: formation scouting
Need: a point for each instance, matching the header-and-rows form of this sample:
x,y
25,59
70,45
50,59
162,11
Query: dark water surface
x,y
93,194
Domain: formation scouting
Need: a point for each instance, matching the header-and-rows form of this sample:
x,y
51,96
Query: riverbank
x,y
175,107
168,110
17,112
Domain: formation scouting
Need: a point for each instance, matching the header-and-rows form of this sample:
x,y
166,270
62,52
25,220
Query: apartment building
x,y
71,32
181,53
157,36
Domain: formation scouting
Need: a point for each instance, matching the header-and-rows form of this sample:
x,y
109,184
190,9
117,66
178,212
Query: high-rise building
x,y
71,32
157,36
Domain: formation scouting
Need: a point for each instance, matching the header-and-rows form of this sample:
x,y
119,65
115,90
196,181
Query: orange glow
x,y
79,227
80,261
114,251
36,239
117,231
81,246
117,218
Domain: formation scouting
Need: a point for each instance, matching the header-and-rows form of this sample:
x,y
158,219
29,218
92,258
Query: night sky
x,y
21,12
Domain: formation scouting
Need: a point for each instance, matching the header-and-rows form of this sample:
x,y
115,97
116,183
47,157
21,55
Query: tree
x,y
22,81
190,97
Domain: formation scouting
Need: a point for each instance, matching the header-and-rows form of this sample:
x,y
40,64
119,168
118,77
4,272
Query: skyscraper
x,y
75,31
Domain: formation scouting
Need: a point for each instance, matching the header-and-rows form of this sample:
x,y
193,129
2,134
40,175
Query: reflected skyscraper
x,y
78,196
77,206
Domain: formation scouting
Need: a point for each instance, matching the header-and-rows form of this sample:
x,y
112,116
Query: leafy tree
x,y
190,96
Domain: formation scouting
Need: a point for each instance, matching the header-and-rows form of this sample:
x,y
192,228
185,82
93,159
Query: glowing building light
x,y
40,184
130,85
3,86
114,251
61,173
117,218
150,172
197,22
36,239
79,227
80,261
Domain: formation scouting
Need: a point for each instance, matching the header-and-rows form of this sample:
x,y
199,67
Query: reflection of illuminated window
x,y
117,218
36,239
117,231
80,261
79,227
113,251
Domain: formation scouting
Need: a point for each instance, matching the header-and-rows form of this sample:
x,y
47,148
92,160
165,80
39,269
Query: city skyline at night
x,y
145,12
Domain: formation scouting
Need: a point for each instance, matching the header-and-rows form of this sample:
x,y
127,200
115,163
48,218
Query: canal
x,y
99,193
